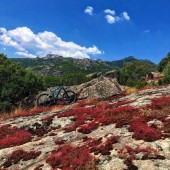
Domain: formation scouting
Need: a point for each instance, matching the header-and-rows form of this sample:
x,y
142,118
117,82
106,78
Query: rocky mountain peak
x,y
52,56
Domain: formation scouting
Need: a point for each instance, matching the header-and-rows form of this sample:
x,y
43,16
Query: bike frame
x,y
55,93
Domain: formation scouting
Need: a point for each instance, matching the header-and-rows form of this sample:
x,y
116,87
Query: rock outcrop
x,y
100,87
111,74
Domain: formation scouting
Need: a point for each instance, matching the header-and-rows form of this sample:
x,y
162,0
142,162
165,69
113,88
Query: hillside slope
x,y
120,132
58,66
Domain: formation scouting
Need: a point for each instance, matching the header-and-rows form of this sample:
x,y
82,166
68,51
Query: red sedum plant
x,y
141,130
19,155
159,103
129,154
70,157
13,136
88,128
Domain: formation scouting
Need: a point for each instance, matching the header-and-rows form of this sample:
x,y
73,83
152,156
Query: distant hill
x,y
120,63
56,65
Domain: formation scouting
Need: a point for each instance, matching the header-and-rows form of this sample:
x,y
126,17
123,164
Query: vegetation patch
x,y
13,136
142,131
160,103
70,157
19,155
129,154
97,146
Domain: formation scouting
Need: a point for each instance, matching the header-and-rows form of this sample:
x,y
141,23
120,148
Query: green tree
x,y
16,83
166,71
133,73
75,79
51,81
163,63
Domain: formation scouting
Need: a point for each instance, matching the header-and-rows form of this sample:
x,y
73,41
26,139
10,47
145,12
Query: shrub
x,y
16,83
133,72
165,80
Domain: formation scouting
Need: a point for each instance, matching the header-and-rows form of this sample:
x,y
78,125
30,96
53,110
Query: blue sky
x,y
105,29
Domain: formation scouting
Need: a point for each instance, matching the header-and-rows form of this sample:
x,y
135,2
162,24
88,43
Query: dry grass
x,y
130,90
33,111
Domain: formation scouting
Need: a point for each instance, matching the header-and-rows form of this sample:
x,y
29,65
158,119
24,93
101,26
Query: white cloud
x,y
110,19
25,54
109,11
29,44
89,10
125,16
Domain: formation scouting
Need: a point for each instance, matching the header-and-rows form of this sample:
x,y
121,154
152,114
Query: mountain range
x,y
56,65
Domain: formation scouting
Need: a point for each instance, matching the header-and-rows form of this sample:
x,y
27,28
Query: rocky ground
x,y
115,133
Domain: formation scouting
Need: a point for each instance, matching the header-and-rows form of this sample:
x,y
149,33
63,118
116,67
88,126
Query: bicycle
x,y
51,98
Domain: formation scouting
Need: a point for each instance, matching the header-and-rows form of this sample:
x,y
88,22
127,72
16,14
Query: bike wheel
x,y
43,100
69,97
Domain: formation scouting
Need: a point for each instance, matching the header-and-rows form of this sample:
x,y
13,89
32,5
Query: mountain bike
x,y
51,98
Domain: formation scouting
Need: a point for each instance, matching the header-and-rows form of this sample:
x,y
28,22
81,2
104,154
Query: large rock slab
x,y
100,87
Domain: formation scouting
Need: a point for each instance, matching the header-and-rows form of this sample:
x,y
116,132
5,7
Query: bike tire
x,y
69,97
43,100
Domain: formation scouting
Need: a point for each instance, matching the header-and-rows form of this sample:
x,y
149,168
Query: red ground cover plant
x,y
129,154
120,114
74,126
39,167
97,146
141,130
159,103
71,158
107,145
59,141
19,155
12,136
113,105
122,110
48,120
88,128
103,114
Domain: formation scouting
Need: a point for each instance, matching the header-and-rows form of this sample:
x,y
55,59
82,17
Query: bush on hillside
x,y
68,80
16,83
163,63
133,73
166,71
